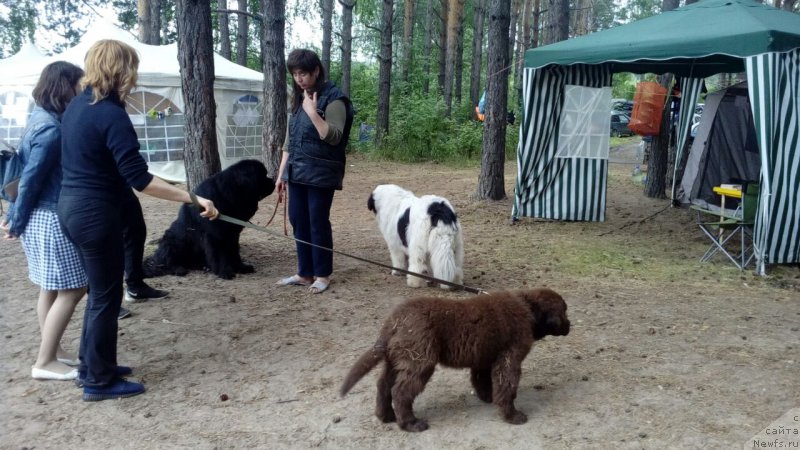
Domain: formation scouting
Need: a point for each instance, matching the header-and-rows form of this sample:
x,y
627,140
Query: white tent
x,y
156,105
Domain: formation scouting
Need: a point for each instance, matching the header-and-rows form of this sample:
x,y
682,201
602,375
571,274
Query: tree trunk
x,y
442,43
477,52
408,39
196,61
788,5
149,21
459,58
241,35
347,44
427,47
560,20
454,12
274,104
512,28
327,32
658,159
537,15
491,184
384,73
224,32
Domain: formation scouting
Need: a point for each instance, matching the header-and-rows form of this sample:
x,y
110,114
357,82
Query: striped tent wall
x,y
690,92
774,85
548,187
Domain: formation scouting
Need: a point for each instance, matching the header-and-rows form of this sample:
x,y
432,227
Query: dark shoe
x,y
143,293
120,371
123,313
120,388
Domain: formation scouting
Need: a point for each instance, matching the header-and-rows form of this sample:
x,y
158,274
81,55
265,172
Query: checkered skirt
x,y
53,262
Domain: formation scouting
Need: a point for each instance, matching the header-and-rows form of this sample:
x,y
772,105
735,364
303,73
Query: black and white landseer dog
x,y
194,242
423,234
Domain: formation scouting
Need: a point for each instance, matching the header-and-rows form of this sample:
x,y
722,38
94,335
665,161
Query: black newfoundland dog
x,y
194,242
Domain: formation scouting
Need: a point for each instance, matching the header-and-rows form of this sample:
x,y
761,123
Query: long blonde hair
x,y
111,66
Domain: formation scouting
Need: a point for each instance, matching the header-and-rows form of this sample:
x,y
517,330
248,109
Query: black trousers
x,y
95,226
134,232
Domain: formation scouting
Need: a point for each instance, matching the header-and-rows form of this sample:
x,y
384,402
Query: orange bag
x,y
648,104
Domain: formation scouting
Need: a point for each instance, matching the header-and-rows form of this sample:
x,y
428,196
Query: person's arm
x,y
310,107
161,189
336,117
44,155
279,183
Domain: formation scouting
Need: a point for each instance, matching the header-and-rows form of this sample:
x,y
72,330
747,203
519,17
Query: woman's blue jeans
x,y
309,214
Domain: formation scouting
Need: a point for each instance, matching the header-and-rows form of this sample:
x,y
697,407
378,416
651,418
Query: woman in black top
x,y
101,162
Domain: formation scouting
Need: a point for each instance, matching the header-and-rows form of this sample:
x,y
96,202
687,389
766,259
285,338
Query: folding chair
x,y
724,229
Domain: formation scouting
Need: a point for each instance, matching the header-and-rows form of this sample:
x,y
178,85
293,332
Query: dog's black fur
x,y
194,242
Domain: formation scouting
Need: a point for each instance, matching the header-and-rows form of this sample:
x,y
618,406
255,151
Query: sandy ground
x,y
665,352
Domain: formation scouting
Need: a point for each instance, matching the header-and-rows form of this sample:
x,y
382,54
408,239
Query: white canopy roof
x,y
158,65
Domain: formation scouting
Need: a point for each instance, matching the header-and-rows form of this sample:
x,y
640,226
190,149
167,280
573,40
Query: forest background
x,y
415,69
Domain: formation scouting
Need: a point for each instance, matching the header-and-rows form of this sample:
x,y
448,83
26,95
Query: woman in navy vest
x,y
312,166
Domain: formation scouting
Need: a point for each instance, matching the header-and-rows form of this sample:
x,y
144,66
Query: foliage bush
x,y
419,131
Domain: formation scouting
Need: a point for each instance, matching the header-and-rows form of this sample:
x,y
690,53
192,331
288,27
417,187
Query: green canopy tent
x,y
693,42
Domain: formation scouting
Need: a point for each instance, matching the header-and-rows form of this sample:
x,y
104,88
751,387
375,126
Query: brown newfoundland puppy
x,y
491,334
194,242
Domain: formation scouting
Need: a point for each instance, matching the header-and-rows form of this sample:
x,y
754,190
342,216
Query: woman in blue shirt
x,y
53,262
101,162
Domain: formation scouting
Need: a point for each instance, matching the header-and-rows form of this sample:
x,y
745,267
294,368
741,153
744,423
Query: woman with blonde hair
x,y
53,262
101,162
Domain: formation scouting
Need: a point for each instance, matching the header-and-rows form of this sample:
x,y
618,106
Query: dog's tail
x,y
365,363
445,244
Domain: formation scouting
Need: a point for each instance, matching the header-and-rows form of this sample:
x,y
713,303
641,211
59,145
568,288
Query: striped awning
x,y
549,187
774,85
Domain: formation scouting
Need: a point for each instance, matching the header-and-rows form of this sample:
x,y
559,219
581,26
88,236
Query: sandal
x,y
318,287
293,280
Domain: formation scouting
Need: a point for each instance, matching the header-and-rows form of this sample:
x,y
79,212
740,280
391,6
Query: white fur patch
x,y
437,251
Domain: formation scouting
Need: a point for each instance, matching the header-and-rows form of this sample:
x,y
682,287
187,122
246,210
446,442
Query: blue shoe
x,y
120,388
120,371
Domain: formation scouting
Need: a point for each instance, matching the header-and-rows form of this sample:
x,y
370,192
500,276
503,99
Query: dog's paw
x,y
397,273
386,416
226,275
415,425
415,282
517,418
246,268
483,396
180,271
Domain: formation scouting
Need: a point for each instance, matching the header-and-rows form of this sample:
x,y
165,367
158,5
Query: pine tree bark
x,y
659,156
149,21
408,39
459,58
384,72
196,61
426,46
491,183
274,104
224,32
241,35
442,43
477,52
516,5
347,44
453,14
327,33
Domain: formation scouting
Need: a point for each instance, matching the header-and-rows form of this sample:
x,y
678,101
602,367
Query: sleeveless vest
x,y
313,161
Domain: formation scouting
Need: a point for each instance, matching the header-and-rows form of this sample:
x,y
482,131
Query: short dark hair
x,y
307,61
56,86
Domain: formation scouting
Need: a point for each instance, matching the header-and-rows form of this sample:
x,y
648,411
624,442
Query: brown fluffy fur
x,y
491,334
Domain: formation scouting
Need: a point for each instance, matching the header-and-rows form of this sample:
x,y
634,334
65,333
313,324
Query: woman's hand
x,y
5,226
280,186
310,103
209,210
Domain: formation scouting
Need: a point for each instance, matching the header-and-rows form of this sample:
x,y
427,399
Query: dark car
x,y
619,124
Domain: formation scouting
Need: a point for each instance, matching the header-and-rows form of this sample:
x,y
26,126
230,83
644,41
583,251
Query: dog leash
x,y
247,224
275,210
